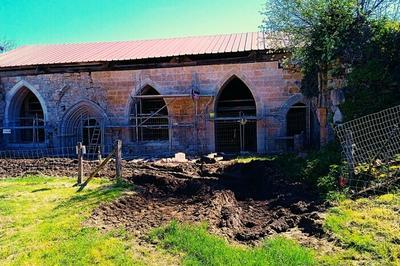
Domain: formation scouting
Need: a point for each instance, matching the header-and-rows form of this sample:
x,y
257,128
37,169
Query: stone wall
x,y
273,88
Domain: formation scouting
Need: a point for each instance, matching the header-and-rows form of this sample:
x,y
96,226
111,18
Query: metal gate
x,y
236,136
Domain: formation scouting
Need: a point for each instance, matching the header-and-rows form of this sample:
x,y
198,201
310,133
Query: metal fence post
x,y
118,159
79,151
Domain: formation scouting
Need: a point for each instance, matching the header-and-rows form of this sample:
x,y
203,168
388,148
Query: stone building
x,y
226,93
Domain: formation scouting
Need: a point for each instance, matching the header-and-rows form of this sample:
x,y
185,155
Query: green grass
x,y
369,229
41,224
201,248
248,159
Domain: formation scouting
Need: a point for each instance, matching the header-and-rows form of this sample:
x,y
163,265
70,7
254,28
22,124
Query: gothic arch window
x,y
236,123
149,116
26,118
84,122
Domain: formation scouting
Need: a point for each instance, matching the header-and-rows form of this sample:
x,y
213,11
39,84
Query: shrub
x,y
320,169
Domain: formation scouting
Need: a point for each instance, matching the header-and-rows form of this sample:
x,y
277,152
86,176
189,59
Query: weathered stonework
x,y
109,93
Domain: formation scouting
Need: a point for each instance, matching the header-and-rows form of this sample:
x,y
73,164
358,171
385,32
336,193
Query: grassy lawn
x,y
201,248
369,230
41,224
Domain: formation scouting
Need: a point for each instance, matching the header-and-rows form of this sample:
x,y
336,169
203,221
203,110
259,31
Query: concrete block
x,y
180,157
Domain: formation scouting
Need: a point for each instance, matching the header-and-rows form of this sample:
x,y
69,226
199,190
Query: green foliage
x,y
378,171
201,248
330,37
320,169
374,83
329,182
41,224
368,230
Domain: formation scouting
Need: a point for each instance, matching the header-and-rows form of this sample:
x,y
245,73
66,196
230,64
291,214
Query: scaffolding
x,y
27,130
155,124
236,120
161,123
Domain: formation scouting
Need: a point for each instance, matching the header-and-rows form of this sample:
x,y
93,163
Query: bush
x,y
374,83
320,169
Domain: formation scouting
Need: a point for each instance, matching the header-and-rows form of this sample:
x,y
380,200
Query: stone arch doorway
x,y
296,126
235,122
149,116
26,118
84,122
296,120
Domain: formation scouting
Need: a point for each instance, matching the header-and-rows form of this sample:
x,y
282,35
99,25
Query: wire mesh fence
x,y
371,148
61,161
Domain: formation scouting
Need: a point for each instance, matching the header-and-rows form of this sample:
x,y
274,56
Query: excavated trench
x,y
241,202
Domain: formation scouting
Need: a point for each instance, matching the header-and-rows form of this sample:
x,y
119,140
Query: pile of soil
x,y
241,202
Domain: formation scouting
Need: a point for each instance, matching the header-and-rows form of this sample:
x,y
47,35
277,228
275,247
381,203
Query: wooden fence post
x,y
79,151
118,159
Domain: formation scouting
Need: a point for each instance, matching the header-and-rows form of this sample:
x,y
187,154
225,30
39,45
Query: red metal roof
x,y
32,55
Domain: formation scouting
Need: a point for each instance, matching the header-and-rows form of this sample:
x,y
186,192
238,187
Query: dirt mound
x,y
242,202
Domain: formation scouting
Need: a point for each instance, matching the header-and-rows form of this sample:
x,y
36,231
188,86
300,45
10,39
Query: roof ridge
x,y
133,40
85,52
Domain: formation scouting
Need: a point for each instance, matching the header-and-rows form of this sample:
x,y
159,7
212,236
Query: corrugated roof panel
x,y
213,42
249,40
235,47
197,48
175,48
229,44
187,44
260,41
131,50
242,44
206,46
139,52
224,45
219,44
156,50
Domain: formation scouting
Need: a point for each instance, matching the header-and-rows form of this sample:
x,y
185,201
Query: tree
x,y
6,45
327,38
323,33
374,82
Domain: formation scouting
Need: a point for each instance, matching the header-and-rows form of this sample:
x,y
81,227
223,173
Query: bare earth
x,y
241,202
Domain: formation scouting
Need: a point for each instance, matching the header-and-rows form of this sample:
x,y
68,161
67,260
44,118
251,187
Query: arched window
x,y
84,122
26,118
236,123
149,116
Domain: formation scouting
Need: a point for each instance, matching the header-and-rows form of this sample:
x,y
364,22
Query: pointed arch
x,y
13,97
232,75
148,116
25,114
84,122
236,117
294,99
296,118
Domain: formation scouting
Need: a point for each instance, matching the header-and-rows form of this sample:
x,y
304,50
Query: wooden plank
x,y
98,168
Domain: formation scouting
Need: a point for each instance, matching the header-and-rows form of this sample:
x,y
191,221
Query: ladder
x,y
95,137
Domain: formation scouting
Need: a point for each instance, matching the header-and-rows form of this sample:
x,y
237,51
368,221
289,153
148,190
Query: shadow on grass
x,y
88,198
40,190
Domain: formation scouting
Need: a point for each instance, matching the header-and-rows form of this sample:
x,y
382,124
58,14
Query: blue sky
x,y
61,21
